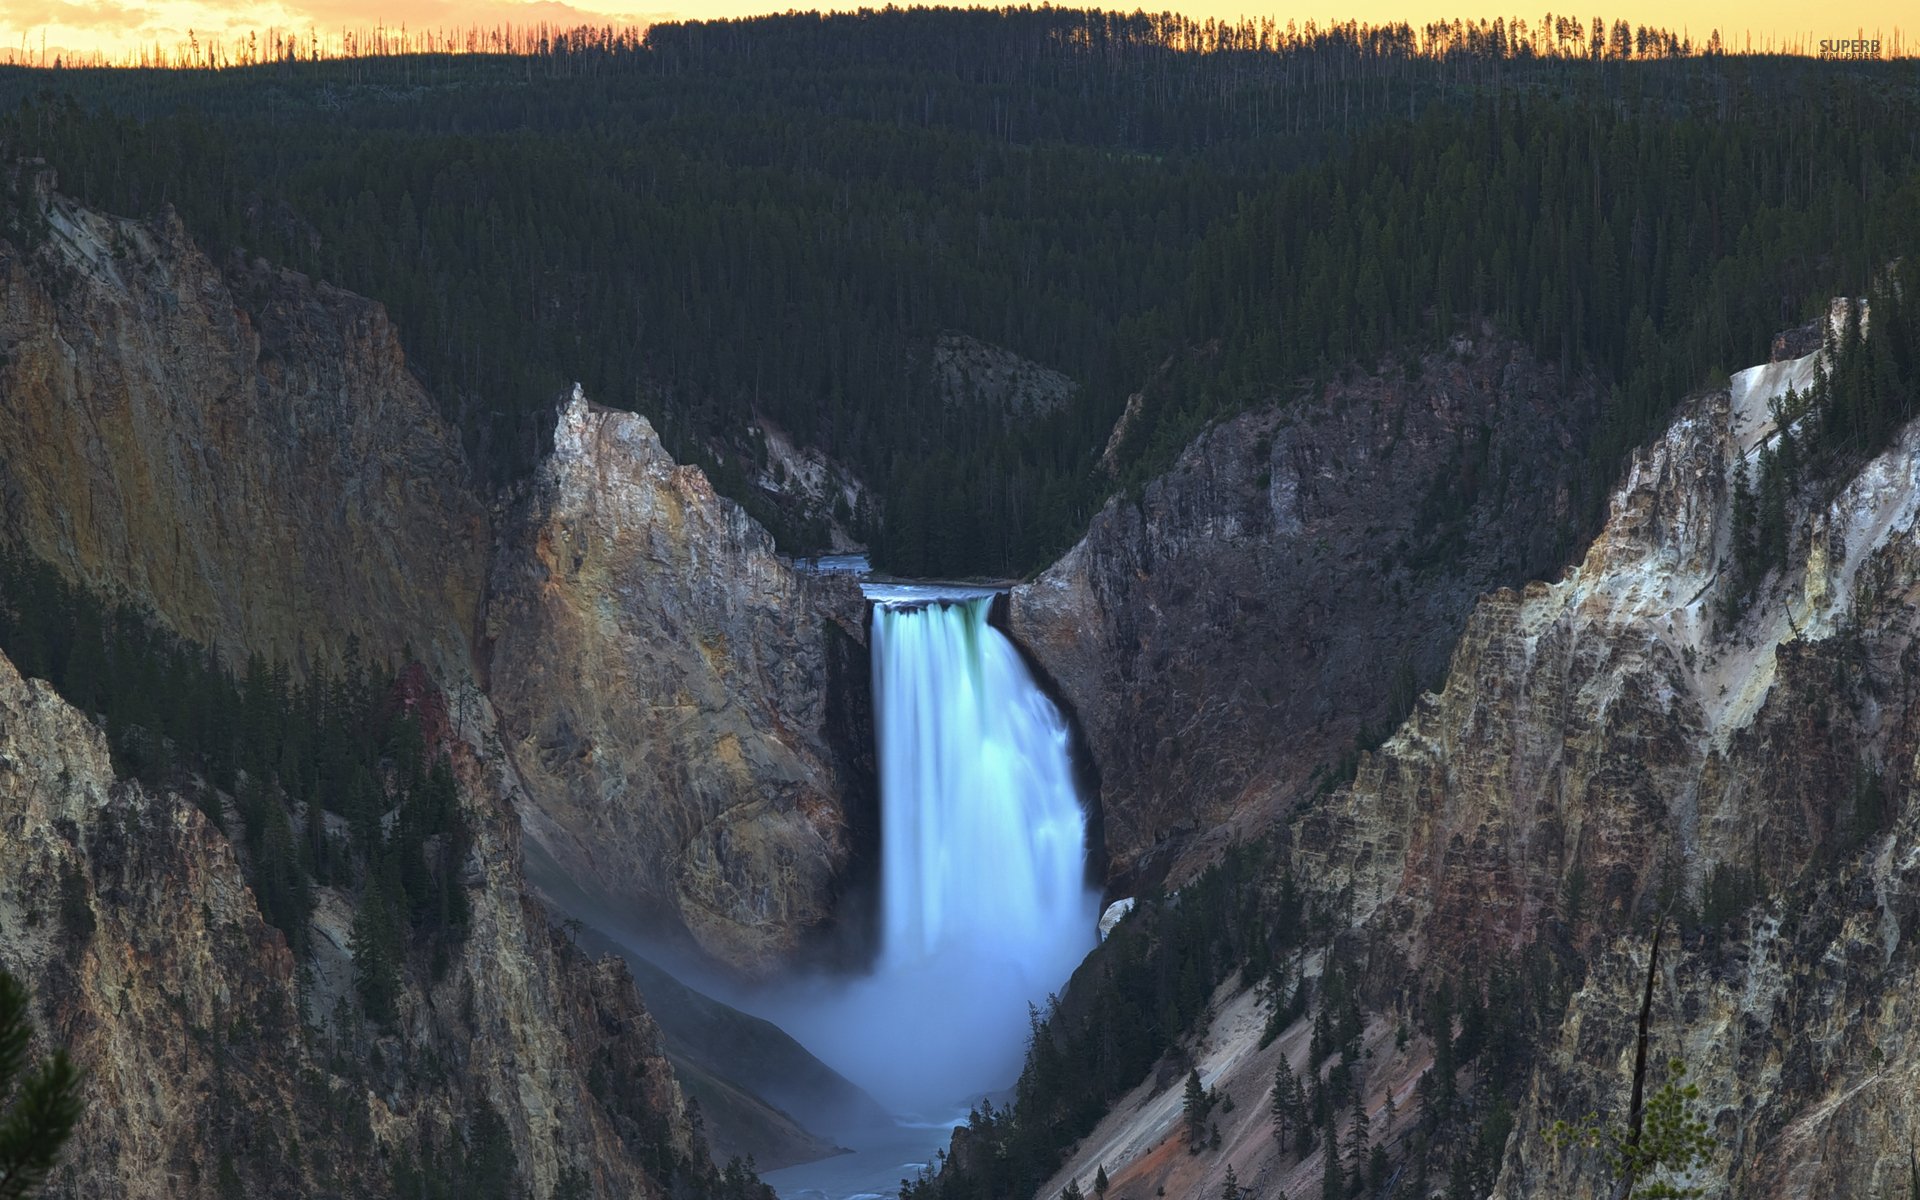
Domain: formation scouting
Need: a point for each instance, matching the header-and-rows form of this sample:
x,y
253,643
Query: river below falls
x,y
872,1172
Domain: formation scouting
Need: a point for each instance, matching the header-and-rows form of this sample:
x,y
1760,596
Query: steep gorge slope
x,y
666,682
1608,747
1297,567
245,451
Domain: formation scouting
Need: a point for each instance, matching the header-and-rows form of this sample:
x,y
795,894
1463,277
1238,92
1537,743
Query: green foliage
x,y
39,1107
76,908
1195,1106
1674,1140
377,953
1730,891
477,1164
1333,1184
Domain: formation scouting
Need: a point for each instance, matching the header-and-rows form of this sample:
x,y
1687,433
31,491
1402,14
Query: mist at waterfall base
x,y
985,907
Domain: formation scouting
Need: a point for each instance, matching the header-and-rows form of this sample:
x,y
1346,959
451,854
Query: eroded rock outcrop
x,y
1225,637
1621,742
663,679
245,453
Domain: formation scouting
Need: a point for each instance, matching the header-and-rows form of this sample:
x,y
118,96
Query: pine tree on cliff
x,y
1285,1103
1333,1186
1193,1109
45,1103
1358,1141
1100,1184
1230,1186
375,943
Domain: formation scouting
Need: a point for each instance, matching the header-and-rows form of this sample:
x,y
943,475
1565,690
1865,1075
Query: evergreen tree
x,y
375,943
1230,1186
1194,1109
1358,1142
1284,1101
1333,1185
39,1107
1100,1183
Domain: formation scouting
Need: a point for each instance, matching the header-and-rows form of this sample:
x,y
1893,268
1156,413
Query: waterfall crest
x,y
985,907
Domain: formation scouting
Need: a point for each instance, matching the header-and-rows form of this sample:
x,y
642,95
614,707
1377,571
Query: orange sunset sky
x,y
120,28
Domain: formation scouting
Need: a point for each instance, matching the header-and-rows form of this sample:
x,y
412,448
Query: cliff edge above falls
x,y
667,685
1300,568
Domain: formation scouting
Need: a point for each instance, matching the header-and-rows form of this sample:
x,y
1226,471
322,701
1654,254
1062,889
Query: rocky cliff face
x,y
663,679
1296,568
246,453
243,450
128,914
1605,747
1608,740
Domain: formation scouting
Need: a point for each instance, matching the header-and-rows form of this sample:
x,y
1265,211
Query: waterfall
x,y
985,907
983,837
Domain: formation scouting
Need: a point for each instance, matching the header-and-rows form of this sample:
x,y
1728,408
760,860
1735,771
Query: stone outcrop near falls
x,y
243,450
245,453
664,681
1229,633
127,913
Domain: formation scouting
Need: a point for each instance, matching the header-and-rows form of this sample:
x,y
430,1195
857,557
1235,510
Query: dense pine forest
x,y
774,221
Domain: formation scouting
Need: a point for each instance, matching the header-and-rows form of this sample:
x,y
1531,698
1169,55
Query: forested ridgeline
x,y
775,219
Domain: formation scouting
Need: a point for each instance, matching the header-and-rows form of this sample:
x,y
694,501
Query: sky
x,y
121,28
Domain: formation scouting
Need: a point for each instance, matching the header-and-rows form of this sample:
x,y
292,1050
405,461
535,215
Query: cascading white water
x,y
983,837
985,907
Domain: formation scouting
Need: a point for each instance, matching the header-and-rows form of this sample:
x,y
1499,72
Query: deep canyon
x,y
758,862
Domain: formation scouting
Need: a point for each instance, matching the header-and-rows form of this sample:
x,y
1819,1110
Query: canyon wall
x,y
246,453
663,681
1614,747
1226,636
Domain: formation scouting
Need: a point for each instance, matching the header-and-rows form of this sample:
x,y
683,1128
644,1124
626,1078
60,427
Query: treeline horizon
x,y
776,221
1553,36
